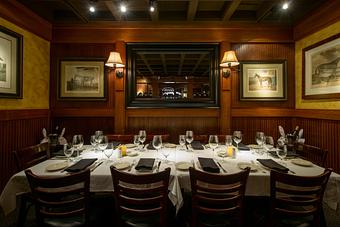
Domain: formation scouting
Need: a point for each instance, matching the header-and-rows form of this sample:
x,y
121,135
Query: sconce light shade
x,y
115,61
229,60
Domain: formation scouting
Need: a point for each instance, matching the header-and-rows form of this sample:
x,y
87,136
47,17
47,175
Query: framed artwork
x,y
321,69
82,79
10,64
263,80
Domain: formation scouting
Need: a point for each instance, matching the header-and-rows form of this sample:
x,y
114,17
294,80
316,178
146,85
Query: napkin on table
x,y
145,164
270,163
196,145
208,165
81,165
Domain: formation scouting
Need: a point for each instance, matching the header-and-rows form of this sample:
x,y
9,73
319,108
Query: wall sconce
x,y
115,61
229,60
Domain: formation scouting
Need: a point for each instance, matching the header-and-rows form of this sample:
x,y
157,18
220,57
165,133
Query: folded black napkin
x,y
241,146
208,165
290,154
196,145
145,164
82,164
150,147
270,163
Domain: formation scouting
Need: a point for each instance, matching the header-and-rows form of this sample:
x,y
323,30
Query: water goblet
x,y
68,152
157,142
260,139
77,144
142,137
181,141
237,137
282,153
213,142
189,136
93,142
108,151
103,143
136,141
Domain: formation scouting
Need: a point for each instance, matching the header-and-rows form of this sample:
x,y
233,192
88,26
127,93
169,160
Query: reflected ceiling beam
x,y
142,56
113,9
181,64
75,10
198,63
263,10
228,12
192,9
164,64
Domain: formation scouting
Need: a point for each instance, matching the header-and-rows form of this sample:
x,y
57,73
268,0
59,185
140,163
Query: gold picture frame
x,y
263,80
82,79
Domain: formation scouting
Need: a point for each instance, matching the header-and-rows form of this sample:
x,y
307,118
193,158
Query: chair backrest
x,y
120,137
149,137
32,155
141,195
218,194
202,138
312,153
60,198
290,193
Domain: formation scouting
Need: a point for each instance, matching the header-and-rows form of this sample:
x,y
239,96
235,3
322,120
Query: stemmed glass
x,y
282,153
260,140
237,137
136,141
103,143
77,143
157,143
213,142
93,142
142,137
189,136
98,136
68,152
181,141
108,151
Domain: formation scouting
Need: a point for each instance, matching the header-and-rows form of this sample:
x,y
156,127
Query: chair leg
x,y
23,210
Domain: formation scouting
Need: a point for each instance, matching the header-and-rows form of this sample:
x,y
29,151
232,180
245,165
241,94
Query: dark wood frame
x,y
133,101
85,98
283,64
316,96
18,64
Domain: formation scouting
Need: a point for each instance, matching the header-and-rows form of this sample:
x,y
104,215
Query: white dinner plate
x,y
57,166
130,145
121,165
254,146
222,154
183,165
302,162
170,145
243,165
132,153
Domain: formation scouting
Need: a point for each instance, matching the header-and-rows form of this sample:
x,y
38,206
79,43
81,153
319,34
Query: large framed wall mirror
x,y
172,75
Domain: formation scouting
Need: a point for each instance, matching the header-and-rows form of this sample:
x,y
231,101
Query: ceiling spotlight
x,y
285,6
152,5
122,7
92,9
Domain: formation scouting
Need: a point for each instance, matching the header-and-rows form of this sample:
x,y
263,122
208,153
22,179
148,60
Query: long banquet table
x,y
101,181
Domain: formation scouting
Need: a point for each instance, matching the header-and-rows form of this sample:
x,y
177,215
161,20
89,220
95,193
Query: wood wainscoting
x,y
18,128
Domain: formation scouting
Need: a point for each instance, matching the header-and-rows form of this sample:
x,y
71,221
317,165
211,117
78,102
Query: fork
x,y
132,164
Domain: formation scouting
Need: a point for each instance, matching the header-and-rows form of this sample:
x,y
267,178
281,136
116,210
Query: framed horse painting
x,y
321,69
263,80
82,79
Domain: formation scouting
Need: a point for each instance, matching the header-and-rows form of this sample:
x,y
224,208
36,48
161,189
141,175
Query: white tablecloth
x,y
257,185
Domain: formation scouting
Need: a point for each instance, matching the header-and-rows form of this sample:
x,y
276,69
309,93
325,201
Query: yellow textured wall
x,y
299,45
36,72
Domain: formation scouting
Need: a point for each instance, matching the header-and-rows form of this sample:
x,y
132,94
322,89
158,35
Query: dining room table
x,y
179,159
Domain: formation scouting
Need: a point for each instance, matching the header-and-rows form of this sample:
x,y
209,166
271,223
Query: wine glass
x,y
260,139
98,136
181,141
68,152
237,137
213,142
136,140
77,143
108,151
228,140
157,142
103,143
189,136
93,142
142,137
282,153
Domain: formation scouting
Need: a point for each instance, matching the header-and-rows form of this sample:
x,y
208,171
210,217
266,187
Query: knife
x,y
222,167
159,164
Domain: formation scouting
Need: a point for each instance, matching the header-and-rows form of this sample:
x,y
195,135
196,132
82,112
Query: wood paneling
x,y
262,52
327,14
18,128
23,17
85,126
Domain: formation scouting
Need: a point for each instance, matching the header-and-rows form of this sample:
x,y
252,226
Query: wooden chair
x,y
202,138
30,156
124,139
141,200
61,201
217,200
312,153
295,198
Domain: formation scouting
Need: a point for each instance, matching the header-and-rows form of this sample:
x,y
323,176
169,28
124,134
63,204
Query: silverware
x,y
158,165
291,171
225,171
132,164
